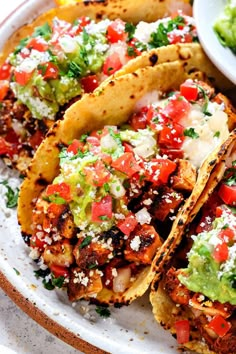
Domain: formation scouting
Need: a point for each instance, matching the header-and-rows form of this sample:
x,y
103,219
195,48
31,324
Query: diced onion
x,y
121,281
143,216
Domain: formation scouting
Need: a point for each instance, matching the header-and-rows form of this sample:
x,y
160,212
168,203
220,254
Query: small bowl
x,y
205,14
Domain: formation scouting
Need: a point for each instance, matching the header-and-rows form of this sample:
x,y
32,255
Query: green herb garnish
x,y
44,31
103,311
12,196
85,242
130,29
191,133
74,70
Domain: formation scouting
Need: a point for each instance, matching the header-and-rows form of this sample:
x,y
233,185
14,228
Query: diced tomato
x,y
38,44
106,158
97,174
89,83
205,224
172,153
219,325
59,271
221,252
6,148
228,194
112,64
4,87
127,164
75,146
182,331
5,71
93,140
36,139
22,77
159,170
128,224
102,211
128,147
138,120
116,31
171,136
177,108
187,38
49,71
189,90
82,22
61,189
36,242
227,234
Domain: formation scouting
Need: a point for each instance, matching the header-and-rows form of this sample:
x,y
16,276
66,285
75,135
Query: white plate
x,y
130,329
205,14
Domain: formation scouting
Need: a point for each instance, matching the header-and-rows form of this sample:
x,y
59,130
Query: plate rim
x,y
197,10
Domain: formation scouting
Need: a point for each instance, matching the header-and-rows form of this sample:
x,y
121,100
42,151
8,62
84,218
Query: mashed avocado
x,y
216,280
225,26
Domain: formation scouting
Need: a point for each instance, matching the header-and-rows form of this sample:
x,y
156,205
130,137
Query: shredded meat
x,y
177,292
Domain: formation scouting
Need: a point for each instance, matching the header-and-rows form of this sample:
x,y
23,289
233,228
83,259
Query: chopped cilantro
x,y
74,69
130,29
217,134
131,51
51,282
17,271
191,133
232,279
56,199
83,137
44,31
12,196
103,217
159,38
230,175
106,187
21,45
226,226
85,242
42,68
103,311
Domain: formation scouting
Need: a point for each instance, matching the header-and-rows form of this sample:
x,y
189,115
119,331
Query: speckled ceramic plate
x,y
128,330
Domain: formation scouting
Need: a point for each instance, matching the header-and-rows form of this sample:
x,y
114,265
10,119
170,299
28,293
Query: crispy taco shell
x,y
164,309
106,107
130,11
191,55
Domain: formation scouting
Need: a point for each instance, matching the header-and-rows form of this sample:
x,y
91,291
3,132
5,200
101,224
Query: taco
x,y
196,297
63,54
97,206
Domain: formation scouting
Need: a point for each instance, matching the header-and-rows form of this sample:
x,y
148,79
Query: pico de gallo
x,y
101,221
206,285
56,64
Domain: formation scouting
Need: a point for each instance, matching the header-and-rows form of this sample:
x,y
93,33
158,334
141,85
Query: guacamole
x,y
206,273
225,26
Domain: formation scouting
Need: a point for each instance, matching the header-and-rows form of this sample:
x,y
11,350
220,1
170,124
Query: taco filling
x,y
58,63
206,285
101,221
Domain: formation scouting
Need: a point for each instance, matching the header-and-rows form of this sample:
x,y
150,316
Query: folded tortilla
x,y
31,131
165,310
111,104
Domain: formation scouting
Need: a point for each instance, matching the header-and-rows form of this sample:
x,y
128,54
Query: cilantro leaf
x,y
74,69
21,45
85,242
44,31
12,196
191,133
103,311
130,29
